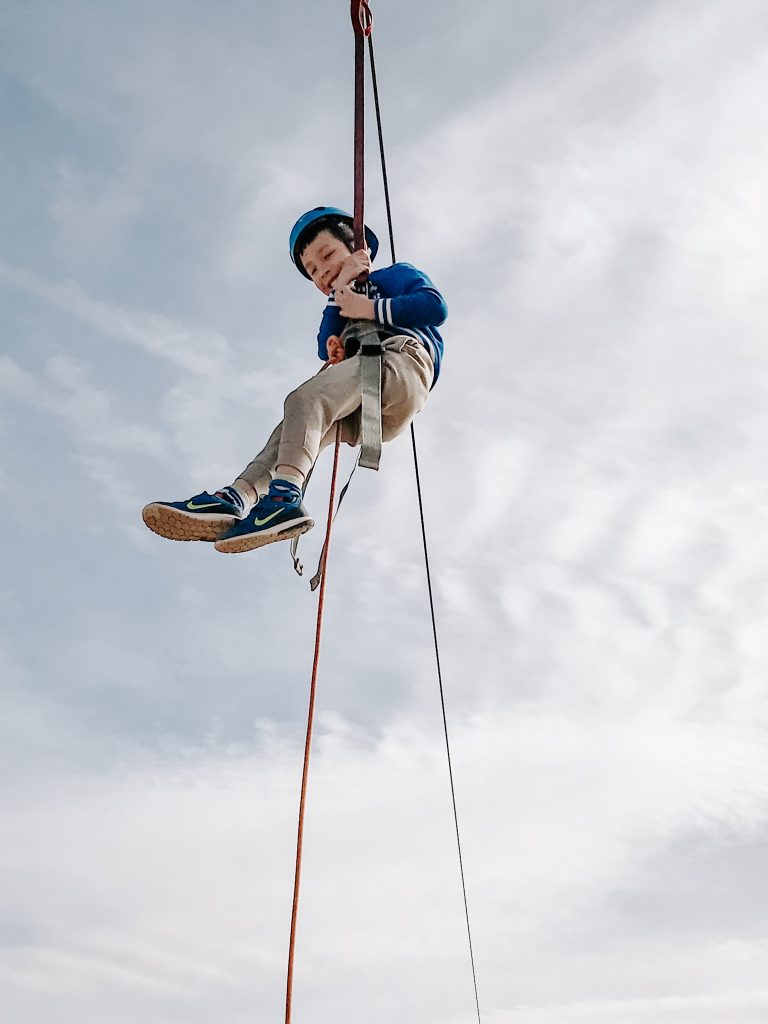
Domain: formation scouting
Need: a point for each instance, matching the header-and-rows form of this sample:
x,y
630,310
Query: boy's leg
x,y
313,410
255,479
311,414
257,475
406,377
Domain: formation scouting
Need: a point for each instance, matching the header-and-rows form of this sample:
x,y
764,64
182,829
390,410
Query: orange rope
x,y
308,741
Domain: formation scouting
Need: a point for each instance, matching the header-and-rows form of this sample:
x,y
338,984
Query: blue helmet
x,y
322,213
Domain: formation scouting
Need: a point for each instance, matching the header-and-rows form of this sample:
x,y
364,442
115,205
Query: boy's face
x,y
323,258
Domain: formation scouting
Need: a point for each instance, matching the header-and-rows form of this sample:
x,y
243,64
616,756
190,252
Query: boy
x,y
264,504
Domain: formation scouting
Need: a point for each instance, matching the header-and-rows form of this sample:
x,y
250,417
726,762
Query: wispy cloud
x,y
193,350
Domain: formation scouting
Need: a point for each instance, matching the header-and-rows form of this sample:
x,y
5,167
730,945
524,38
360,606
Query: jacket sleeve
x,y
332,323
414,301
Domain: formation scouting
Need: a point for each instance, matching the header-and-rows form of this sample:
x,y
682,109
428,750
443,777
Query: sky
x,y
586,185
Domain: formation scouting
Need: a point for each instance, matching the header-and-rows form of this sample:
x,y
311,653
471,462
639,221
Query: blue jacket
x,y
405,302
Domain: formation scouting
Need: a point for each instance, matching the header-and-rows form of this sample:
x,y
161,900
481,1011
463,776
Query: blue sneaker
x,y
278,515
204,517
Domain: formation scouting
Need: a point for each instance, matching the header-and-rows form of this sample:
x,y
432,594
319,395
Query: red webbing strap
x,y
362,23
308,741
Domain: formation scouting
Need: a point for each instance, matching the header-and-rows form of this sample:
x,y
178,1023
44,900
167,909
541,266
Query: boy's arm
x,y
332,323
415,301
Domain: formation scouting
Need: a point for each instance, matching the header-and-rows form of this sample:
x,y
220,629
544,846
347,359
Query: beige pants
x,y
333,395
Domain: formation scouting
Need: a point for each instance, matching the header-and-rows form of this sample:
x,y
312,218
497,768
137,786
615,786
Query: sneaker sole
x,y
249,542
173,524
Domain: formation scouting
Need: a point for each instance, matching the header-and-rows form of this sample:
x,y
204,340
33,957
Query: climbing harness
x,y
370,347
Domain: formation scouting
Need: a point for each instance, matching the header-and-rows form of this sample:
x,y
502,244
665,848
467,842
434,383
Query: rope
x,y
362,22
384,177
308,741
445,719
426,552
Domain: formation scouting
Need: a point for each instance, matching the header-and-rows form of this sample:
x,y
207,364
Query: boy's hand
x,y
335,348
353,305
354,265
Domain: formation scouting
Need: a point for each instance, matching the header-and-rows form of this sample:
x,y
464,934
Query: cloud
x,y
593,470
747,1006
169,884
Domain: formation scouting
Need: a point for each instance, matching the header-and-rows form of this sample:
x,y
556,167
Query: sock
x,y
248,491
237,497
293,477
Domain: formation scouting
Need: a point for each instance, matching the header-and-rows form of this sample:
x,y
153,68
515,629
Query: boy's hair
x,y
340,229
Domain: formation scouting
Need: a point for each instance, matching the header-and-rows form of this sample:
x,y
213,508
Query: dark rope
x,y
426,551
384,177
359,144
445,718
